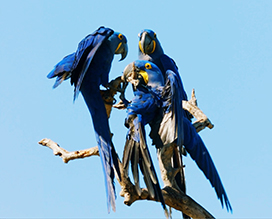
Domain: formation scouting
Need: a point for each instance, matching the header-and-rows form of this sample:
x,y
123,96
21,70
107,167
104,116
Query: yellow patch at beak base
x,y
144,75
119,45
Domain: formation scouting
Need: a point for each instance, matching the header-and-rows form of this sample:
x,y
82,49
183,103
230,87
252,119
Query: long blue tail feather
x,y
97,110
107,164
187,136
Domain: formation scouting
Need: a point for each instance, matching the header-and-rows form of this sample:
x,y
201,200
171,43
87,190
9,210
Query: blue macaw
x,y
89,68
179,129
147,83
151,50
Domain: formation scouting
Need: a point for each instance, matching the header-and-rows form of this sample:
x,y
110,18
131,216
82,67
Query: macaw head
x,y
149,43
118,43
142,72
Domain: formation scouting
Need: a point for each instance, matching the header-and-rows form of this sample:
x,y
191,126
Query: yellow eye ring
x,y
120,36
148,66
155,35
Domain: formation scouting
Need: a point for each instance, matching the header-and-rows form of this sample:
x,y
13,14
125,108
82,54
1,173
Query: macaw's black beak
x,y
146,44
123,50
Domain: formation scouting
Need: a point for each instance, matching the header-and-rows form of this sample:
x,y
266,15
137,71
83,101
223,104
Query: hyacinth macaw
x,y
185,134
89,68
150,49
147,83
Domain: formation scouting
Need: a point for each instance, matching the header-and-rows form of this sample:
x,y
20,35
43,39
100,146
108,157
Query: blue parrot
x,y
176,125
89,68
147,83
151,50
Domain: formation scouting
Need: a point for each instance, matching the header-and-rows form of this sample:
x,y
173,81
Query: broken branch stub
x,y
202,120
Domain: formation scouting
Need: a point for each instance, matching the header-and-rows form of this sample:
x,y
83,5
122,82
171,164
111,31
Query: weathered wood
x,y
66,155
202,120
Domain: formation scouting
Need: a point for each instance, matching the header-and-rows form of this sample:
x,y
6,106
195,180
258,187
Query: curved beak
x,y
146,44
123,50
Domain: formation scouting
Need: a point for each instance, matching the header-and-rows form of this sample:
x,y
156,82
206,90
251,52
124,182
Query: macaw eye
x,y
120,36
155,35
148,66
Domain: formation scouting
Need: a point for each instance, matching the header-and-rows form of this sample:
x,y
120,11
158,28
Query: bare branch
x,y
66,155
202,120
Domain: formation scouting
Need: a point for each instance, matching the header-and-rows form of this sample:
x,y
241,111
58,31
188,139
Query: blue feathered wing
x,y
171,128
185,134
62,70
75,65
85,53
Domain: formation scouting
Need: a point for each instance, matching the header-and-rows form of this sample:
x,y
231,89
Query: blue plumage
x,y
62,70
172,95
150,49
89,68
199,153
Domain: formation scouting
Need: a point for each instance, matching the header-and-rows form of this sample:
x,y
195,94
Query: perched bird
x,y
89,68
151,50
147,82
176,125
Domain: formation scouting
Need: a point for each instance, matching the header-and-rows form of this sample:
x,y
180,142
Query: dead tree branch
x,y
202,120
66,155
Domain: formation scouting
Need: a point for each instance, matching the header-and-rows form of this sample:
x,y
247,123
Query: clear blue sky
x,y
223,49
